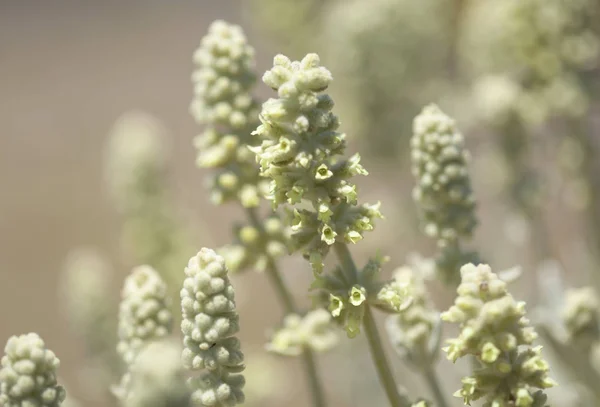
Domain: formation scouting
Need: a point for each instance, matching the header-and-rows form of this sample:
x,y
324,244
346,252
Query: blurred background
x,y
522,84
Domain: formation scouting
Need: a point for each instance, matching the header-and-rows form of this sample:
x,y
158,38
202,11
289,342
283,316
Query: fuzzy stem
x,y
370,328
454,32
589,169
286,299
434,384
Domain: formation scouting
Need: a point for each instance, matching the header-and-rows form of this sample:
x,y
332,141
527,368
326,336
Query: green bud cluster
x,y
254,248
144,314
28,374
311,331
416,332
157,377
300,152
494,329
223,81
210,321
443,189
580,315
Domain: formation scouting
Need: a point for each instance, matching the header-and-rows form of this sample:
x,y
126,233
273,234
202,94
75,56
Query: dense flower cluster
x,y
299,153
28,374
443,189
494,329
144,317
210,321
223,103
144,314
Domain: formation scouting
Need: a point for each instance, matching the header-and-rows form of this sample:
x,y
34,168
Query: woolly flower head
x,y
157,378
494,329
223,103
144,314
443,190
224,76
313,331
28,374
300,152
136,158
210,321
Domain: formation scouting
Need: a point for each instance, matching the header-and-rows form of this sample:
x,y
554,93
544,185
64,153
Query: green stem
x,y
456,20
384,371
434,384
589,170
286,299
348,266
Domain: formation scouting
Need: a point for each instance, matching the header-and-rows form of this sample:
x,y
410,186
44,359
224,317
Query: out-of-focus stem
x,y
579,365
286,299
434,384
384,371
456,19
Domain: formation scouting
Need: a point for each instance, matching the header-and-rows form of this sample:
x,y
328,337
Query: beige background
x,y
68,69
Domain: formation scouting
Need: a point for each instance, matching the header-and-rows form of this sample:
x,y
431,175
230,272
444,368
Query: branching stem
x,y
371,332
286,299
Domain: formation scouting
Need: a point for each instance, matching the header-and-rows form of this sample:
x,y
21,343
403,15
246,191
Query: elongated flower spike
x,y
223,103
494,329
28,377
144,314
224,106
300,151
210,321
137,176
144,317
443,190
